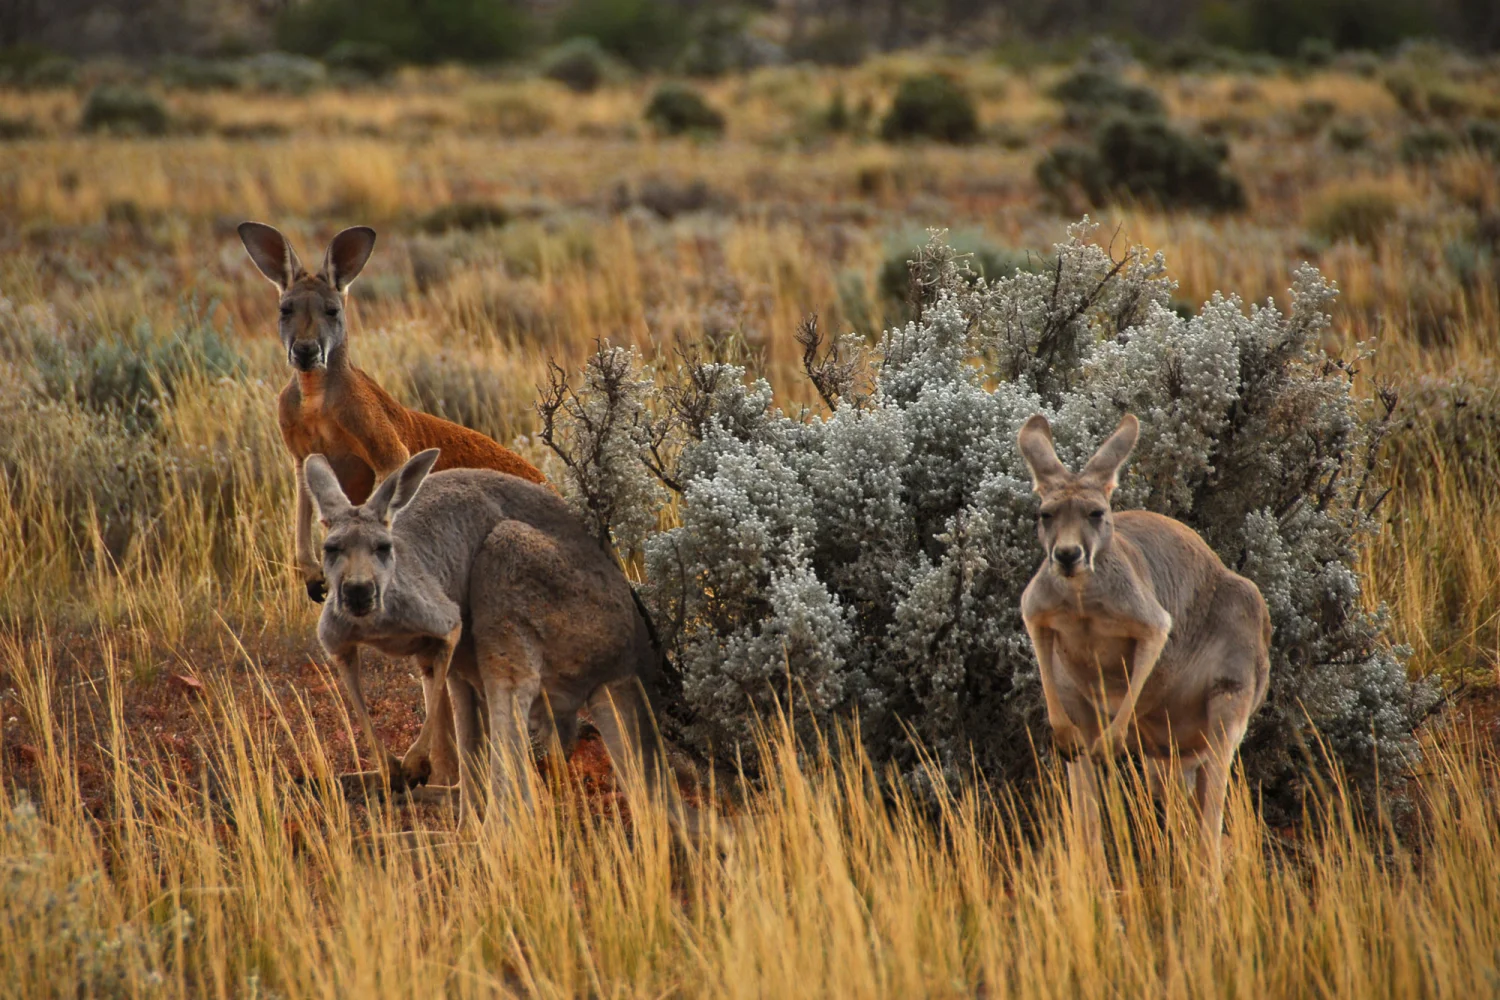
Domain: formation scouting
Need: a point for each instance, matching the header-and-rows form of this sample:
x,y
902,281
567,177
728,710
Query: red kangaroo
x,y
332,408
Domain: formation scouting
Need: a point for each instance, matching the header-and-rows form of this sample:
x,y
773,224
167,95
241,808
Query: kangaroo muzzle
x,y
1069,558
306,355
358,599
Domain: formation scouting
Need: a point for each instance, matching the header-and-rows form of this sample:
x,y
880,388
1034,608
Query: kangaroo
x,y
331,407
1142,635
493,583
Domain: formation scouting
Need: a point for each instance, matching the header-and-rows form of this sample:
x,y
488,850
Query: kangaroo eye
x,y
331,550
286,309
1097,515
383,550
1044,516
333,312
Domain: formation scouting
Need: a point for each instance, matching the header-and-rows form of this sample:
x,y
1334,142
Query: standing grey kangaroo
x,y
1143,637
491,582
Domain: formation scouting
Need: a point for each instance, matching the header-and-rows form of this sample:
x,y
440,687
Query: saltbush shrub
x,y
931,106
1089,94
580,64
901,288
677,109
1147,159
872,560
122,108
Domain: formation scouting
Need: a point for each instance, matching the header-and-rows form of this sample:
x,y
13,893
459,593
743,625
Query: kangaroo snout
x,y
306,356
358,598
1068,558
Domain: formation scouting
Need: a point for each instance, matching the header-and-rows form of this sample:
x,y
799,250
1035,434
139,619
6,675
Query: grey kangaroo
x,y
495,587
1144,638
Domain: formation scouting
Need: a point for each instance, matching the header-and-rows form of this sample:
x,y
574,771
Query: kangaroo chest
x,y
308,427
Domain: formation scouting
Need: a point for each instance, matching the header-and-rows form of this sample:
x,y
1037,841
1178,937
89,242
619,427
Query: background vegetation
x,y
154,640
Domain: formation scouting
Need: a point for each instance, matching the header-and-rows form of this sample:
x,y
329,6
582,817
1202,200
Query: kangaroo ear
x,y
1035,443
1103,469
346,256
400,488
324,486
271,253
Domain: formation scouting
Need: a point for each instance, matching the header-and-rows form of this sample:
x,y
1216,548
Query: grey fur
x,y
500,593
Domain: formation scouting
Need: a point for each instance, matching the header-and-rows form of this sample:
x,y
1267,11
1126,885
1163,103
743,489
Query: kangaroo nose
x,y
1067,556
358,598
305,355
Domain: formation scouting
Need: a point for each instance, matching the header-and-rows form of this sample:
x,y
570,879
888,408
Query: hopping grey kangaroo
x,y
493,584
1143,637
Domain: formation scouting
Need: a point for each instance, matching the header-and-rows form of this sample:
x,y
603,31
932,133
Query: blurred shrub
x,y
12,129
190,73
1315,53
670,198
1359,212
677,109
832,42
1349,135
580,64
1089,94
1484,136
931,106
1146,159
1311,116
1424,92
720,42
30,65
647,34
130,374
368,60
1196,55
465,216
1313,29
419,31
1427,145
122,108
284,73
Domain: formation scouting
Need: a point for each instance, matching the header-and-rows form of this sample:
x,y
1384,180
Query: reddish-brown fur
x,y
343,414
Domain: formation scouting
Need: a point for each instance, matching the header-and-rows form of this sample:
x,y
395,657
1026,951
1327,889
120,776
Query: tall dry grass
x,y
840,882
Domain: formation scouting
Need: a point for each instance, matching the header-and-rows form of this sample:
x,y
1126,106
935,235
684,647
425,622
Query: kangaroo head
x,y
312,305
1074,521
359,556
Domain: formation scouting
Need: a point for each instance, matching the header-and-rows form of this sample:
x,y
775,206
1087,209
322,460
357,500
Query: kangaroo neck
x,y
314,384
